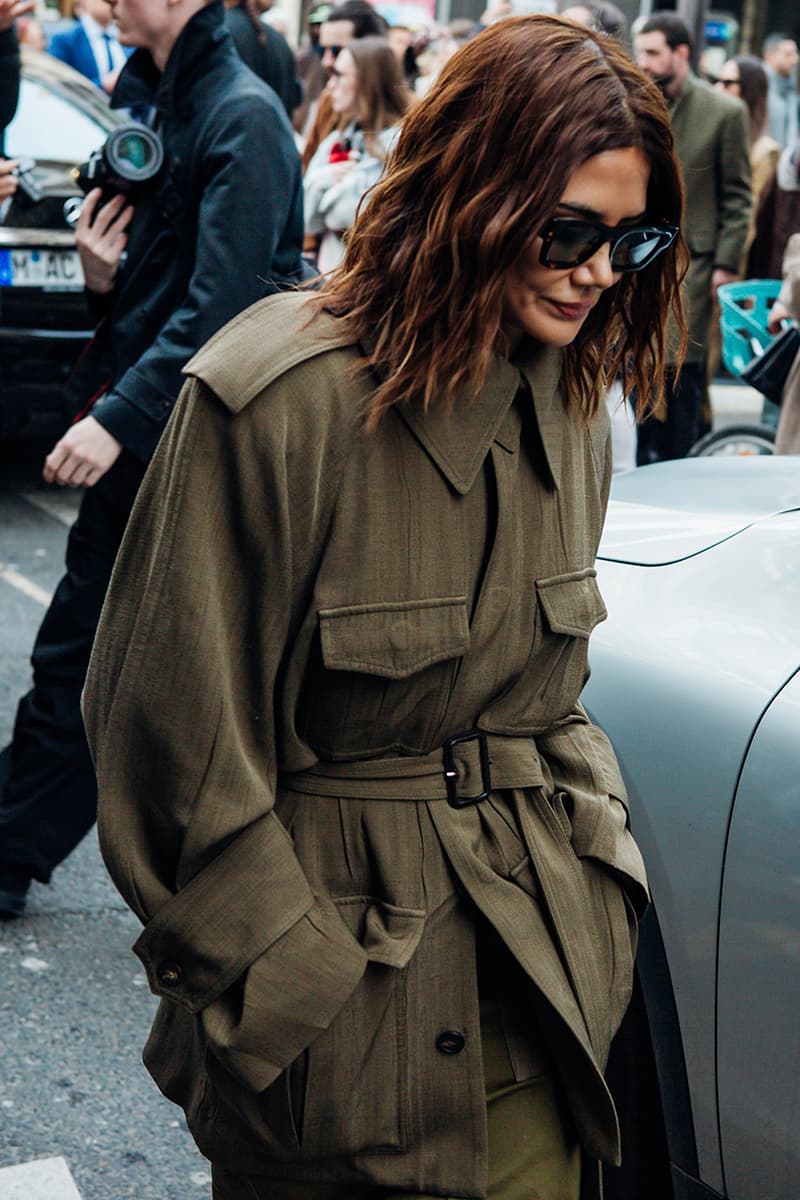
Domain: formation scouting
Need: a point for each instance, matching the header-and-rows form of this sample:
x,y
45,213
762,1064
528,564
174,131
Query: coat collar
x,y
141,84
458,439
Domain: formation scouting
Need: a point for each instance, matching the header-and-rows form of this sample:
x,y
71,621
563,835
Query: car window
x,y
47,127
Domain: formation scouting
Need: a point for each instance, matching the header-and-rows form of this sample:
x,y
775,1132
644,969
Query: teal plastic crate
x,y
744,313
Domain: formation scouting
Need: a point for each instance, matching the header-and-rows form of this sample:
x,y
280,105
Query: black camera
x,y
128,162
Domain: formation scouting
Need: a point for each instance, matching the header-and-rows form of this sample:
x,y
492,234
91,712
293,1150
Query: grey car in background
x,y
696,680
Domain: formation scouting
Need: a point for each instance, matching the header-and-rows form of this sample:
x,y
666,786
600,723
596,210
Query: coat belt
x,y
462,771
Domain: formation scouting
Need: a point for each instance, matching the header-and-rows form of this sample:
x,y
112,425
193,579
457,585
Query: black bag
x,y
767,372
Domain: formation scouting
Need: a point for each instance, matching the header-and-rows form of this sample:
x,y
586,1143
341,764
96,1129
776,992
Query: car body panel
x,y
759,964
692,655
656,519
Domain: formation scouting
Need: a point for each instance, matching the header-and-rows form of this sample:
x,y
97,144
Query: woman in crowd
x,y
369,96
745,78
381,854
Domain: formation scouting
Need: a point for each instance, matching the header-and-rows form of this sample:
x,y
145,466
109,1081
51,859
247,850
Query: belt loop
x,y
451,775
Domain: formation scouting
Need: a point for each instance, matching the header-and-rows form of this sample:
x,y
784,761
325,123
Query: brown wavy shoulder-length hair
x,y
480,165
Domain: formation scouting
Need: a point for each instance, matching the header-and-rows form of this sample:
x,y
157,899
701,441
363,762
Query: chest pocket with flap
x,y
387,669
568,607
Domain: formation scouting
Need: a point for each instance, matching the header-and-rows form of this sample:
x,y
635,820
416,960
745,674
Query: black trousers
x,y
48,794
675,436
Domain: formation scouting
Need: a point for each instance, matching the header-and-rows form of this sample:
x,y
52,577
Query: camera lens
x,y
134,153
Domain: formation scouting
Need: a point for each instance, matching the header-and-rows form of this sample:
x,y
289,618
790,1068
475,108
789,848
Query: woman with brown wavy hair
x,y
381,854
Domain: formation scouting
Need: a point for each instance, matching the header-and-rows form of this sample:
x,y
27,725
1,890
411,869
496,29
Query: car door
x,y
758,1031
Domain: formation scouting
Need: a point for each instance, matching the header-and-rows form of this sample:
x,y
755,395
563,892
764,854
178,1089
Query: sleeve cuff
x,y
250,919
137,432
247,897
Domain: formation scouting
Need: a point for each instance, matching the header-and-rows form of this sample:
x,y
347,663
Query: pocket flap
x,y
393,639
572,603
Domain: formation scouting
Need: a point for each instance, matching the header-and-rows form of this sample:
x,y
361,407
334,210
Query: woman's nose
x,y
597,270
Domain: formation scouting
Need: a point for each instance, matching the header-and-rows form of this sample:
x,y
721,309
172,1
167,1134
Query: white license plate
x,y
51,270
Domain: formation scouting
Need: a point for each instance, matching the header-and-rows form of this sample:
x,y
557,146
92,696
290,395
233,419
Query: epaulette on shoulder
x,y
261,344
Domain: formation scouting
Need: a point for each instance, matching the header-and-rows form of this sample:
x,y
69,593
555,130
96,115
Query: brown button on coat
x,y
300,615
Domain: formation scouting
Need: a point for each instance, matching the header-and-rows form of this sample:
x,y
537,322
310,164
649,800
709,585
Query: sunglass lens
x,y
572,243
636,249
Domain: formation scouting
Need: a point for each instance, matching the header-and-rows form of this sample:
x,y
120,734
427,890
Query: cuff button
x,y
169,974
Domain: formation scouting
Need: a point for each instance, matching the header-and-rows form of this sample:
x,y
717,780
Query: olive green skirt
x,y
533,1151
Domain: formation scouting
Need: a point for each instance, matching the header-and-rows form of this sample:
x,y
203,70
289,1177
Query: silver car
x,y
696,679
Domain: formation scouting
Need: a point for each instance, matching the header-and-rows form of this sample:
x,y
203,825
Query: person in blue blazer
x,y
92,46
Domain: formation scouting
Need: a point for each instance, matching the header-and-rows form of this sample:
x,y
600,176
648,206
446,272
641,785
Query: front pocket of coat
x,y
385,675
568,608
356,1087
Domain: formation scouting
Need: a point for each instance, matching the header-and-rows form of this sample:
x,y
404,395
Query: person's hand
x,y
11,9
720,276
102,240
777,314
339,170
82,456
8,178
109,80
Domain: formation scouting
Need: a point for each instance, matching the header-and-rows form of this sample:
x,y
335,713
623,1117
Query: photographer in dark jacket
x,y
219,226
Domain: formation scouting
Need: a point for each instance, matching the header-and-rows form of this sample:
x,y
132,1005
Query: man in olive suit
x,y
712,143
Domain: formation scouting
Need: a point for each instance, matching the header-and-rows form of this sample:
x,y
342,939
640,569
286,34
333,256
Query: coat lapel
x,y
458,439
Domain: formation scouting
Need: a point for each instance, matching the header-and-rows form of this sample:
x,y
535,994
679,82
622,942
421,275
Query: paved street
x,y
79,1117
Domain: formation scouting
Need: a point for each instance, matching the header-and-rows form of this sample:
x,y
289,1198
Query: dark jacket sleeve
x,y
249,214
267,53
281,71
9,80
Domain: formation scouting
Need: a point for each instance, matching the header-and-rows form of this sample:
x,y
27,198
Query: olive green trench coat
x,y
300,616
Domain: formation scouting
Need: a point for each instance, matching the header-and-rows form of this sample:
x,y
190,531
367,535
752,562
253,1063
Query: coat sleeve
x,y
734,190
339,203
316,181
583,767
581,762
331,203
250,206
180,711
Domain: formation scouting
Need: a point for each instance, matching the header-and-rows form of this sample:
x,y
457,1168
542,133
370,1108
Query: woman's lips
x,y
571,312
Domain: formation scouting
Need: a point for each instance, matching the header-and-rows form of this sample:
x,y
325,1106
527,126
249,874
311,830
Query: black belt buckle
x,y
450,774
